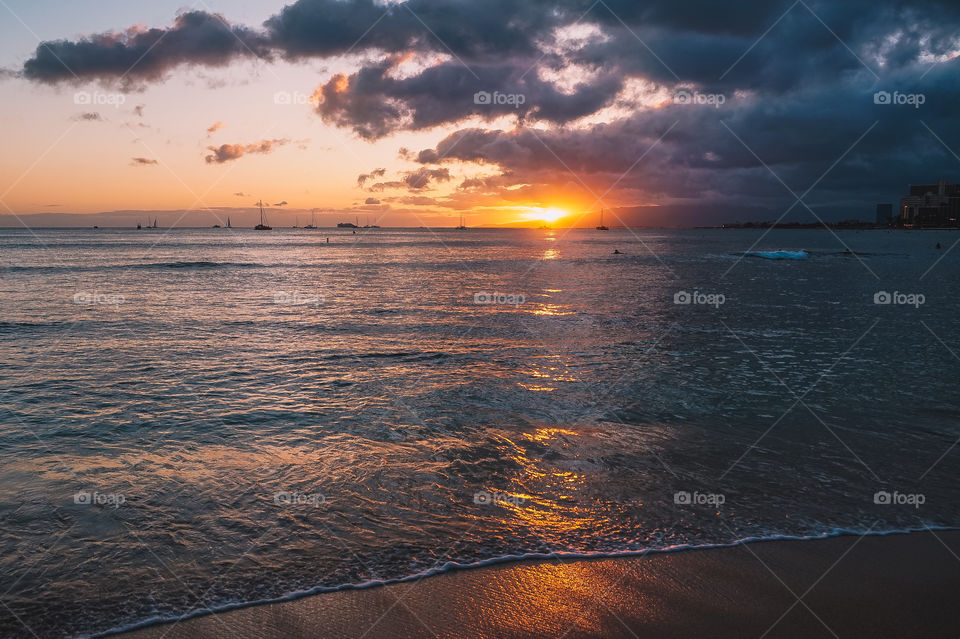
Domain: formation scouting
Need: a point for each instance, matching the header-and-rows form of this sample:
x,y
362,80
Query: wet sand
x,y
904,585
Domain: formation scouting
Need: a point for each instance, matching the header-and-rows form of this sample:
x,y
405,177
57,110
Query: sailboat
x,y
461,227
296,224
262,226
368,225
602,227
228,222
154,222
312,224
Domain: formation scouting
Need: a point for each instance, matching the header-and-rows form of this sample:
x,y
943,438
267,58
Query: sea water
x,y
195,419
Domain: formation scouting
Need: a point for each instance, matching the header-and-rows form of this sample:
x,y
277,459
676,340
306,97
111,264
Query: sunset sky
x,y
664,112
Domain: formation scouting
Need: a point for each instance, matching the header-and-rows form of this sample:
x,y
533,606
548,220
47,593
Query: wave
x,y
502,559
778,255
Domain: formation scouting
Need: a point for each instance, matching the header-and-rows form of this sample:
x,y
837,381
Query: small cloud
x,y
213,128
91,116
372,200
142,161
138,110
284,203
376,173
228,152
241,194
420,179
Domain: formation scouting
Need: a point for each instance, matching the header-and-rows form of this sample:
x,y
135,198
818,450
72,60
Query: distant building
x,y
931,205
884,214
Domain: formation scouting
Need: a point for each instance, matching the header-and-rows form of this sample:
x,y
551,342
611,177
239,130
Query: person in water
x,y
616,252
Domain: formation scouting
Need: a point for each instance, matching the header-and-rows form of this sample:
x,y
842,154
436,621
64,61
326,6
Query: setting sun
x,y
545,214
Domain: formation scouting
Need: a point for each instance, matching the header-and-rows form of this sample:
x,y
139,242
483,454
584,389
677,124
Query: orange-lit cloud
x,y
228,152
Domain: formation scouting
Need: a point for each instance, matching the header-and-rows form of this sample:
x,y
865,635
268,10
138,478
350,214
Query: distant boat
x,y
461,227
138,226
347,225
216,226
602,227
312,224
228,222
262,226
296,224
154,222
368,225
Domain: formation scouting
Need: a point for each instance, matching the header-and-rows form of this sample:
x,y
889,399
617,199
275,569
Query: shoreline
x,y
471,597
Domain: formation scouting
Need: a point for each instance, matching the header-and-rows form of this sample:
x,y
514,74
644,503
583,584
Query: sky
x,y
662,112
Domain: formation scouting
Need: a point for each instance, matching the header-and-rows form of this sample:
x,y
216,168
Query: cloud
x,y
371,200
140,55
228,152
138,110
376,173
283,203
421,178
213,128
575,97
91,116
142,161
241,194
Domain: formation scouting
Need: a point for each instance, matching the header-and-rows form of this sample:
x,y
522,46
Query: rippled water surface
x,y
246,415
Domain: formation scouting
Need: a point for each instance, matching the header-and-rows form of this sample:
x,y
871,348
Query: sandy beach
x,y
901,585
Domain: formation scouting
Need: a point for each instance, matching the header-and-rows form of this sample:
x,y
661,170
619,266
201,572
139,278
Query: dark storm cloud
x,y
228,152
374,104
795,139
196,37
797,82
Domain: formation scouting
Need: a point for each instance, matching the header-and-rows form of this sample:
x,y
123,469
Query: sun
x,y
544,213
552,214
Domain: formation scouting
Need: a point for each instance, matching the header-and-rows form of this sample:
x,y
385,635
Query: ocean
x,y
195,419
